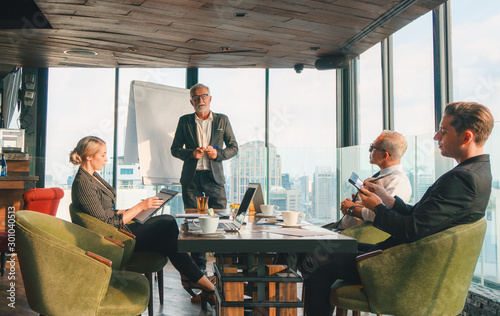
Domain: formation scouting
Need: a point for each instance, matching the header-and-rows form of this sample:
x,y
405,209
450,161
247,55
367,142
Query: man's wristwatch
x,y
349,210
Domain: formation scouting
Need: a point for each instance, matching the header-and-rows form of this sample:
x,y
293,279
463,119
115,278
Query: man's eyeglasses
x,y
197,98
383,150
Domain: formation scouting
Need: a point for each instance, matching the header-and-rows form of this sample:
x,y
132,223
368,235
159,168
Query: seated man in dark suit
x,y
460,196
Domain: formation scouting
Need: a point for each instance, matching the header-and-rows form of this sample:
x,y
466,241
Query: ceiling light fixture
x,y
80,52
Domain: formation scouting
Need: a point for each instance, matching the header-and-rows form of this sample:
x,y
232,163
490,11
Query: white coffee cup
x,y
268,209
292,217
208,224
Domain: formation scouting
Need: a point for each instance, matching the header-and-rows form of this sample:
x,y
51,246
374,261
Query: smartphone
x,y
356,182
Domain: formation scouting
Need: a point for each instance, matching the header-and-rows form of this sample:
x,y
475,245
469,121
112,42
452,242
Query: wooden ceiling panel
x,y
190,33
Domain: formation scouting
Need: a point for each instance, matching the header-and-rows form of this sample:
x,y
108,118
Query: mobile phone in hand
x,y
356,182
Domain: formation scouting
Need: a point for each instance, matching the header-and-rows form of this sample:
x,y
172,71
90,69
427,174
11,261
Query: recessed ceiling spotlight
x,y
240,14
313,49
224,49
80,52
131,50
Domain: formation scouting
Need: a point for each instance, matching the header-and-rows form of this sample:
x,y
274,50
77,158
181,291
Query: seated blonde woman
x,y
96,197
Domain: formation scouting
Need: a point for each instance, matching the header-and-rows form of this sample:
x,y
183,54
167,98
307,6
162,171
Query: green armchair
x,y
145,262
428,277
69,270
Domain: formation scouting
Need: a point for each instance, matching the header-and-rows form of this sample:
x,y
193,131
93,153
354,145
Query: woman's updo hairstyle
x,y
86,147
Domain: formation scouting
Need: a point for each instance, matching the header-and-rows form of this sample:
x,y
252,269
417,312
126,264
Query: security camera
x,y
298,68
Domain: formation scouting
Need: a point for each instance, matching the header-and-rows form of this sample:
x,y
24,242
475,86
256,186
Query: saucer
x,y
202,234
298,225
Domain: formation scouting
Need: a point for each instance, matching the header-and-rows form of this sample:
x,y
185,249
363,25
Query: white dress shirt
x,y
204,133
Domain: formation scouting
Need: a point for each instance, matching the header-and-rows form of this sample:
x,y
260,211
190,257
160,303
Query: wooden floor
x,y
177,301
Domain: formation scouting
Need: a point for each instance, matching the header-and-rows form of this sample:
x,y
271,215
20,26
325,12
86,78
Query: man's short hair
x,y
394,143
198,86
471,116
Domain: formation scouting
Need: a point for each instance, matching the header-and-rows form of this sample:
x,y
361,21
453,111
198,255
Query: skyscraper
x,y
249,166
324,202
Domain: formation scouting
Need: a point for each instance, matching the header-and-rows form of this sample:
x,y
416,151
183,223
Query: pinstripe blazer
x,y
96,198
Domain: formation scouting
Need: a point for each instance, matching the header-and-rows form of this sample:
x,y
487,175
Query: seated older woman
x,y
93,195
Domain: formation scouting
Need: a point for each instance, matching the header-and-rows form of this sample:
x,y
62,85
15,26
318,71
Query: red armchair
x,y
43,200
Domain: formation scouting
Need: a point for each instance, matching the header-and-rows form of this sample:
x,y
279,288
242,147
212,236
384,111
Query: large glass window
x,y
413,78
476,77
476,57
80,103
240,94
129,182
302,141
370,94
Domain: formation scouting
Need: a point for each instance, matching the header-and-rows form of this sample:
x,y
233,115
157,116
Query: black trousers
x,y
203,182
159,234
320,271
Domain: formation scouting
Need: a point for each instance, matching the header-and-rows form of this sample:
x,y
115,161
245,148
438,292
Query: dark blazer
x,y
460,196
96,198
186,140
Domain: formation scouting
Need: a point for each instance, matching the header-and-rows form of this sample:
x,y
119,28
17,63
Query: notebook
x,y
235,224
164,194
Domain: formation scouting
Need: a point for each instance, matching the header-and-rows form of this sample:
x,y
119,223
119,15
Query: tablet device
x,y
164,194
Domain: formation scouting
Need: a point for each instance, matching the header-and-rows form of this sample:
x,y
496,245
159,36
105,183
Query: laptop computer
x,y
235,225
164,194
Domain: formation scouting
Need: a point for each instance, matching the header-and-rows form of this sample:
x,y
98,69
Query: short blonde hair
x,y
86,147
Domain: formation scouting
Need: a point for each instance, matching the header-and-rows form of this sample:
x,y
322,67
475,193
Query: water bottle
x,y
3,167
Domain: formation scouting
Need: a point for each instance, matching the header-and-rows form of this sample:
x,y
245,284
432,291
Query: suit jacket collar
x,y
480,158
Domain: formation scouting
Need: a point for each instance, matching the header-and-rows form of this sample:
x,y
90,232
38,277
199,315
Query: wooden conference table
x,y
243,257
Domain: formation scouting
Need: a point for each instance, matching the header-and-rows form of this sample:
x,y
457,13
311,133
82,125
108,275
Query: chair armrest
x,y
116,242
126,233
368,255
100,259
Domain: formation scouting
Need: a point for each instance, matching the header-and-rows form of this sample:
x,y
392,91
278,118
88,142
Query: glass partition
x,y
487,271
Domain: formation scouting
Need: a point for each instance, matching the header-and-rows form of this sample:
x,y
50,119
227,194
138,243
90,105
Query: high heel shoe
x,y
189,285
